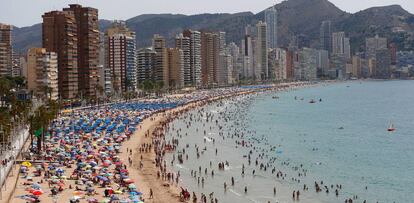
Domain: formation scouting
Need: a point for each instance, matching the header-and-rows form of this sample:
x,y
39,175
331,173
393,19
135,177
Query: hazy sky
x,y
28,12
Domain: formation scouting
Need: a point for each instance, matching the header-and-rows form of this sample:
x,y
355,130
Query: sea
x,y
340,141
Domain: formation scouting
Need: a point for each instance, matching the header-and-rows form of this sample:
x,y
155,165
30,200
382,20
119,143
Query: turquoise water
x,y
341,140
363,153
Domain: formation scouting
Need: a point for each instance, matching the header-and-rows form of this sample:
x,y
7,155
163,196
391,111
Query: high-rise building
x,y
356,67
225,73
184,43
306,64
195,56
347,48
175,68
323,62
121,57
5,50
60,36
325,36
338,43
383,64
237,63
248,51
210,53
278,61
161,64
42,73
222,36
104,71
373,44
88,48
393,52
290,74
261,69
16,65
146,62
271,21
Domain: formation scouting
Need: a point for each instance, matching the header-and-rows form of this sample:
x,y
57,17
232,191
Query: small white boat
x,y
391,128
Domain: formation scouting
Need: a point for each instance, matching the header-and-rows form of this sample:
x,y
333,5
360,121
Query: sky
x,y
28,12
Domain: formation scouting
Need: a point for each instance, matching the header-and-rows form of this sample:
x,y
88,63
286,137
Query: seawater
x,y
341,140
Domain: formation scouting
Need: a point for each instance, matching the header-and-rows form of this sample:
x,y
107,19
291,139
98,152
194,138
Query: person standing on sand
x,y
151,194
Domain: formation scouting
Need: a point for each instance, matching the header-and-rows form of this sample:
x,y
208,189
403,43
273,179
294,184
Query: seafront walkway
x,y
9,156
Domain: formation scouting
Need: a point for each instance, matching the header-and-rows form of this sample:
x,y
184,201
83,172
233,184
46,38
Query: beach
x,y
38,177
326,143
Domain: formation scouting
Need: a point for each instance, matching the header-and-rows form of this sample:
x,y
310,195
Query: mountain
x,y
303,17
169,25
392,22
300,18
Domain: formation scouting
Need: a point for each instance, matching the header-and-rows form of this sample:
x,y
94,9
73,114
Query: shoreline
x,y
145,178
148,174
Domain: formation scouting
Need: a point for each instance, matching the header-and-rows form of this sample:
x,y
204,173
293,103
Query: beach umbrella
x,y
75,198
37,192
128,181
92,200
118,192
105,201
132,186
35,186
27,164
77,193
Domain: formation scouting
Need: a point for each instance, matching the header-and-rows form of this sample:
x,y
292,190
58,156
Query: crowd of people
x,y
79,157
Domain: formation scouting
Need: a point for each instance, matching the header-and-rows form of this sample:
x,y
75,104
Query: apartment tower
x,y
60,36
42,73
120,57
5,50
88,48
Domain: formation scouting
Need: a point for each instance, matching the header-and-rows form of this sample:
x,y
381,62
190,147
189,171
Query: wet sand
x,y
146,177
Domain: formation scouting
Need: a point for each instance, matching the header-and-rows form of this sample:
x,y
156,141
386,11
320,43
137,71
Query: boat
x,y
391,128
312,101
275,97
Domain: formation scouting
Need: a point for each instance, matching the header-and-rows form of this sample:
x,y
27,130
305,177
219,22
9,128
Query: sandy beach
x,y
147,176
138,158
142,172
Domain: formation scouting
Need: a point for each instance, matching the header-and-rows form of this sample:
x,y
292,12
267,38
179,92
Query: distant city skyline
x,y
21,13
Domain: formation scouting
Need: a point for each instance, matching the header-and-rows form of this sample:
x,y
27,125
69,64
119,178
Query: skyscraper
x,y
210,52
121,57
306,66
175,68
146,61
383,64
195,55
323,62
60,36
88,48
5,50
278,62
338,43
42,73
248,50
104,71
184,43
222,36
271,21
261,69
74,35
237,63
356,66
325,37
161,64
